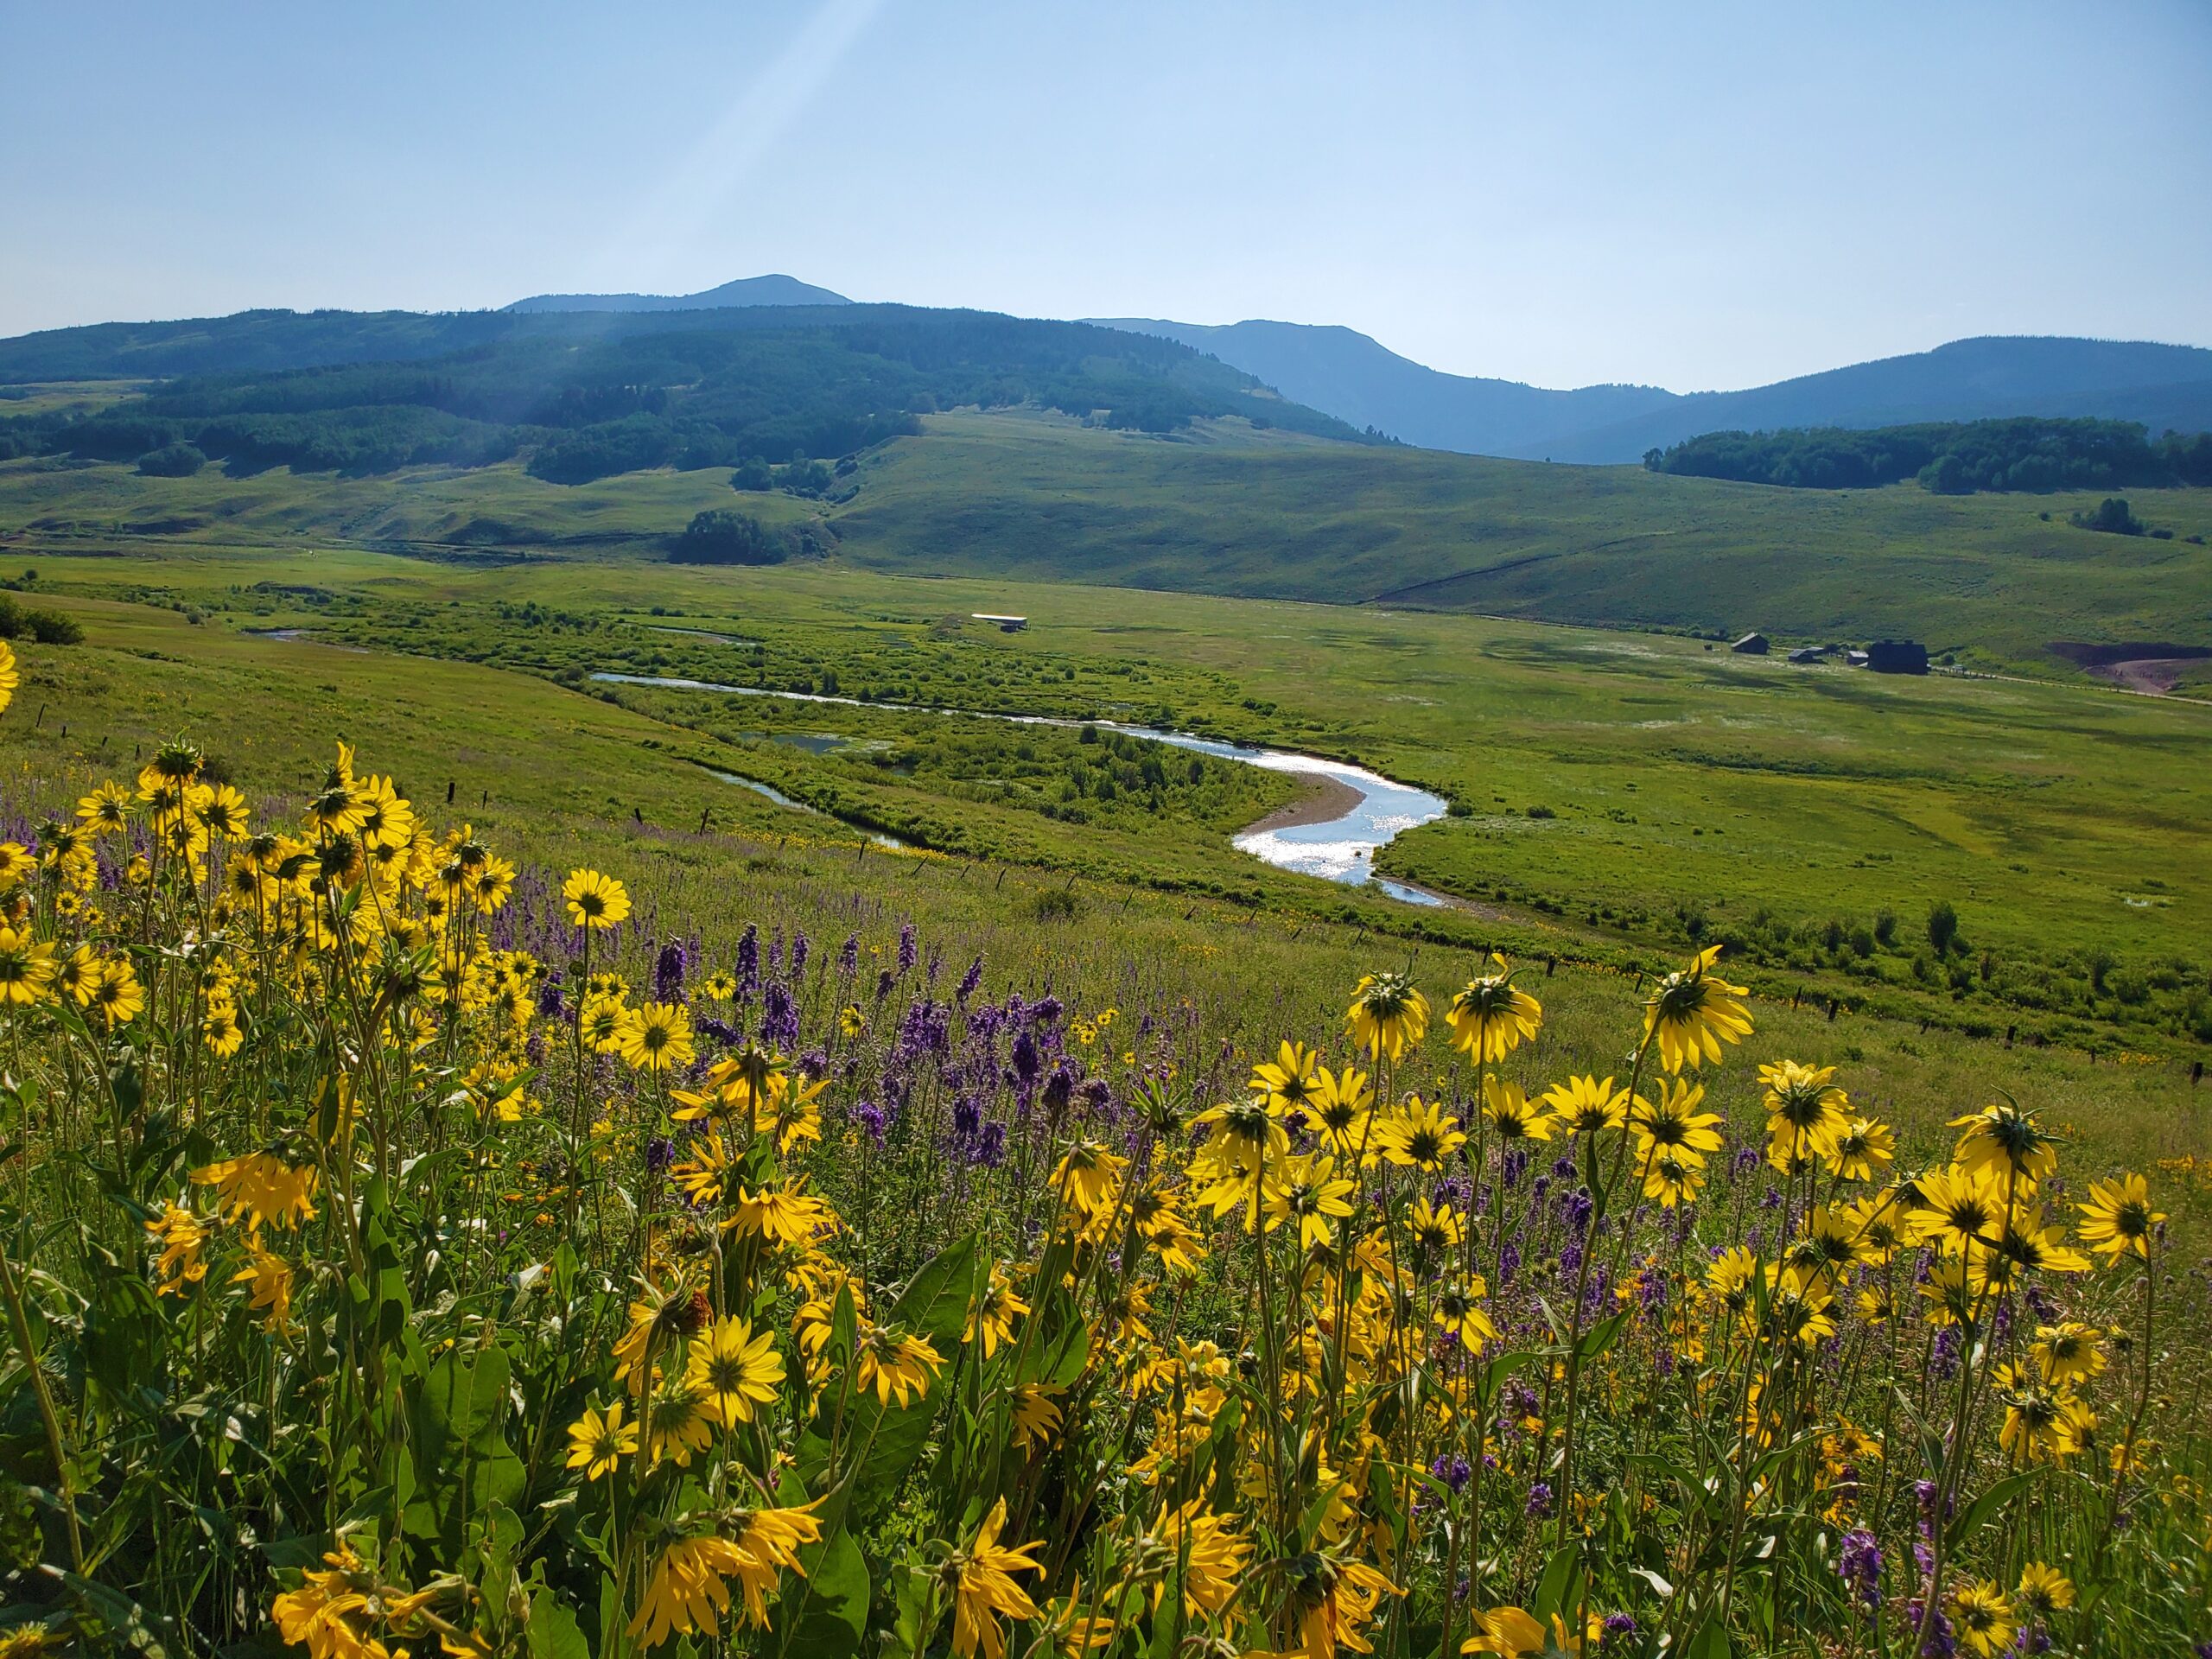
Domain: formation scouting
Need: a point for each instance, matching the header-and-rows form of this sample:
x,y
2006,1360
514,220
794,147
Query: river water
x,y
1341,848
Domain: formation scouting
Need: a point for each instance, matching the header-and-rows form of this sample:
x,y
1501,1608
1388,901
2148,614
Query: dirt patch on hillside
x,y
2154,677
2151,667
2082,654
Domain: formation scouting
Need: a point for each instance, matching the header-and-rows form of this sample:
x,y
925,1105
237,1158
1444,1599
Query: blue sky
x,y
1695,196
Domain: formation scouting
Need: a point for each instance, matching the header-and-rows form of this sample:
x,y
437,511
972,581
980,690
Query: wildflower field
x,y
409,1242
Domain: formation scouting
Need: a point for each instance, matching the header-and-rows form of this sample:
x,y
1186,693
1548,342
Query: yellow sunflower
x,y
596,900
1388,1016
1490,1016
2116,1219
1694,1012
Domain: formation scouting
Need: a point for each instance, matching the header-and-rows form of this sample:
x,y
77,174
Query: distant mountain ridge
x,y
1345,373
1338,373
1363,382
775,288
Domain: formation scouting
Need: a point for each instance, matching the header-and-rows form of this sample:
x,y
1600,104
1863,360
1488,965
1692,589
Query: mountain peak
x,y
772,289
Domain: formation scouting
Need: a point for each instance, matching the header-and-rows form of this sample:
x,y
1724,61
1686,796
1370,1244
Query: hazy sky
x,y
1695,196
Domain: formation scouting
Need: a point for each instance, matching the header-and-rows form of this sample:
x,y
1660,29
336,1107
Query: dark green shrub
x,y
179,460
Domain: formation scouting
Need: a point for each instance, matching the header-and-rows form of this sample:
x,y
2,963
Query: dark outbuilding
x,y
1751,645
1898,656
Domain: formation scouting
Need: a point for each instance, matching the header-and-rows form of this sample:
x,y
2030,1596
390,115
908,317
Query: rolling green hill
x,y
587,395
1221,508
2001,577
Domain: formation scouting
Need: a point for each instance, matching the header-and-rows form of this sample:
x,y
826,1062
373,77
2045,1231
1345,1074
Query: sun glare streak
x,y
652,246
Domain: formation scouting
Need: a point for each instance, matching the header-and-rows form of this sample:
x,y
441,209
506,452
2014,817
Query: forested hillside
x,y
1949,459
590,395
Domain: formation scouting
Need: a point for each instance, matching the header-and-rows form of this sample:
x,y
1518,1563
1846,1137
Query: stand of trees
x,y
2113,516
47,627
1950,457
721,536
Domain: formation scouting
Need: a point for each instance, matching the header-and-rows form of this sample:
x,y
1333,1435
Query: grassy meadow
x,y
1994,578
572,777
1221,508
1611,790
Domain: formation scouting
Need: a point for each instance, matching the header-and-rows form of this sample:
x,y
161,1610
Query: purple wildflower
x,y
1941,1643
990,1145
748,963
1860,1566
1943,1362
778,1017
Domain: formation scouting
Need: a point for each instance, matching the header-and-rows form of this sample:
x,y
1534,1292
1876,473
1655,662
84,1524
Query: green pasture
x,y
1996,578
1613,792
1993,581
557,778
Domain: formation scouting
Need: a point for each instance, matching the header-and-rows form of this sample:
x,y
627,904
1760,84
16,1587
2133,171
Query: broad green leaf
x,y
1563,1576
936,1301
125,1337
824,1614
553,1631
463,1464
1600,1336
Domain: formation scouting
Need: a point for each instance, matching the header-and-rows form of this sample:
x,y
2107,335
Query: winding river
x,y
1339,846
